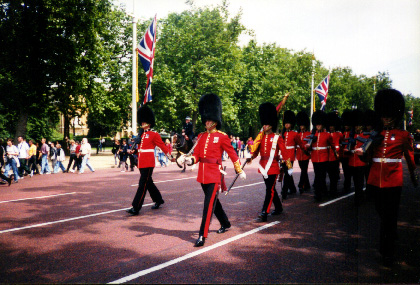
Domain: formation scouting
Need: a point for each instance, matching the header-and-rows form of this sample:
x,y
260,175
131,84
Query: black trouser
x,y
387,202
304,178
210,197
77,162
32,164
132,161
320,185
271,195
288,182
347,174
333,171
73,158
146,184
23,167
358,174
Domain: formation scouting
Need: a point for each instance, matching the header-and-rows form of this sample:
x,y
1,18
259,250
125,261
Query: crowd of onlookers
x,y
239,146
28,158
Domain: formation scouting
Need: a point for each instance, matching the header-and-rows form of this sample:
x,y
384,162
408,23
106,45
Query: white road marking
x,y
190,255
247,185
41,197
156,182
335,200
65,220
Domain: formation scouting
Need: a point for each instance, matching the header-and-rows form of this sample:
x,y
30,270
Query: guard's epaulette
x,y
222,132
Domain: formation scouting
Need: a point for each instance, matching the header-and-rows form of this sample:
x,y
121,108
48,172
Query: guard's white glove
x,y
189,160
290,171
181,159
242,175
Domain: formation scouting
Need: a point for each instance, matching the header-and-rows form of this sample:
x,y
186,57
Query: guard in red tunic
x,y
269,145
302,155
356,165
334,124
320,153
372,124
386,173
208,153
291,141
346,119
146,161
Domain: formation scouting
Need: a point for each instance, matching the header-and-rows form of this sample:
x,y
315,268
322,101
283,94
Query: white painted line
x,y
335,200
65,220
42,197
190,255
156,182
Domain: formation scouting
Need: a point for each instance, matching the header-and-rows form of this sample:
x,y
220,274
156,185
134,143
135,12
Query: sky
x,y
368,36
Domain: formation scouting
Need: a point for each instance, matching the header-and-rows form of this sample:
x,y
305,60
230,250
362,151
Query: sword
x,y
217,195
234,180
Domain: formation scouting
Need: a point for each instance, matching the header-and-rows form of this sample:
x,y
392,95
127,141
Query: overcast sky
x,y
366,35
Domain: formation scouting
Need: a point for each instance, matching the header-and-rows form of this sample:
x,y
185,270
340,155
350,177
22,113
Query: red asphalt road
x,y
85,236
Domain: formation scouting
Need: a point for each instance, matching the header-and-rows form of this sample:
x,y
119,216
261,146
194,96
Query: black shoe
x,y
9,180
262,217
200,241
157,205
223,229
133,212
277,212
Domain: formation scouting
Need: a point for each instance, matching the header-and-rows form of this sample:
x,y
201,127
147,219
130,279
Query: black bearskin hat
x,y
333,120
145,114
210,108
289,118
390,103
357,118
268,115
302,119
319,118
371,119
346,118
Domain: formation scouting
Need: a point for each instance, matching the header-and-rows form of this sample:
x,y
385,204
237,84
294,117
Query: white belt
x,y
147,150
386,160
290,147
319,148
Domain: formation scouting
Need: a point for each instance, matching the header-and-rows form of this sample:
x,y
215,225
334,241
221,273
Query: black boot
x,y
262,217
133,212
200,241
157,205
223,229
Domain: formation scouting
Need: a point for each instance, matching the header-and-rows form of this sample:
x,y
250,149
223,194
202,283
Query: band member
x,y
268,144
356,165
146,161
302,155
320,153
334,124
346,119
386,173
208,153
372,124
291,140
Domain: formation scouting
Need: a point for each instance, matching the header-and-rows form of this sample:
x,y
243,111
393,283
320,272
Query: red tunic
x,y
343,153
209,152
384,173
300,154
320,151
291,140
146,155
354,159
265,142
337,138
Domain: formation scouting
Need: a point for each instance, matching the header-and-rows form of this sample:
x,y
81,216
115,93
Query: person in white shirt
x,y
85,151
12,159
23,148
60,158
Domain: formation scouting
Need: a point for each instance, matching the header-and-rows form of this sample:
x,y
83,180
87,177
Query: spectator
x,y
170,148
12,160
23,148
32,165
115,148
233,143
73,157
123,151
249,144
85,151
45,149
53,155
242,150
78,161
2,153
61,156
161,157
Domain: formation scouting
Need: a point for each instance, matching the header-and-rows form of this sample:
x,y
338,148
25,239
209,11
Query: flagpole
x,y
312,90
134,79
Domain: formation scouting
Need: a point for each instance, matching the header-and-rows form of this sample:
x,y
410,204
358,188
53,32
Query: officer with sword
x,y
208,153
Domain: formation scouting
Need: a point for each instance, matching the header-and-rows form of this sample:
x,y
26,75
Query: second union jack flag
x,y
322,91
146,50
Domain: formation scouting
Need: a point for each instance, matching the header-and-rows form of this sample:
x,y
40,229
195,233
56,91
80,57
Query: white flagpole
x,y
312,90
134,79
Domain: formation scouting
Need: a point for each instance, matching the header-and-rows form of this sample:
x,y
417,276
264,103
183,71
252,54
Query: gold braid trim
x,y
288,164
237,166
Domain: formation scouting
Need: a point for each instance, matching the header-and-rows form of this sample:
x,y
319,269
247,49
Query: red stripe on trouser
x,y
272,195
144,189
210,209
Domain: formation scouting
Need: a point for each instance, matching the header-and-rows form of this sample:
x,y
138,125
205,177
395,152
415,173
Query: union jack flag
x,y
146,50
322,91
